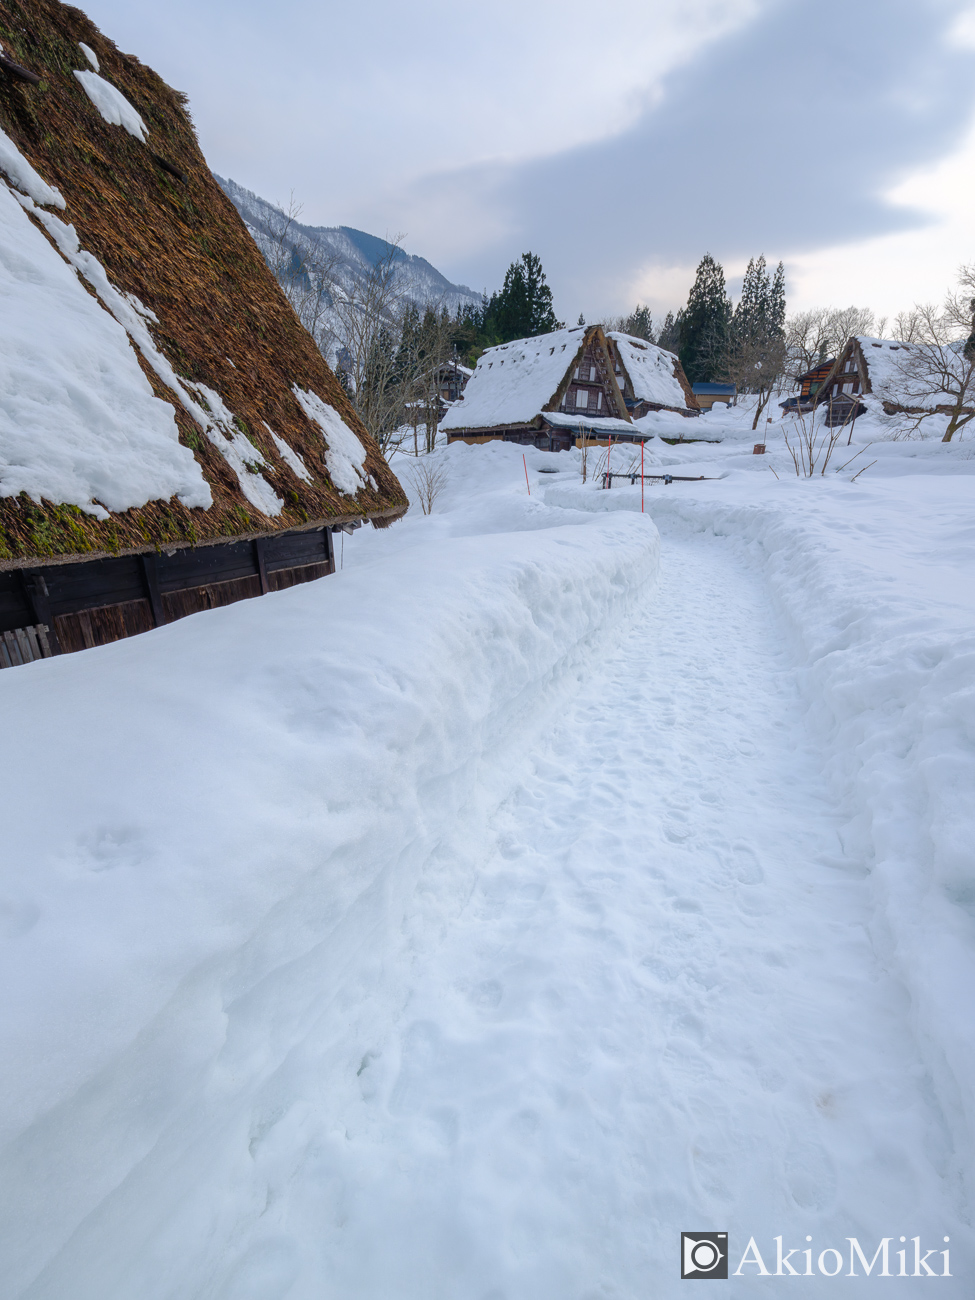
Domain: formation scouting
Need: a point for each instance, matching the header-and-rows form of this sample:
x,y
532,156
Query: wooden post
x,y
150,572
261,565
38,597
525,463
15,70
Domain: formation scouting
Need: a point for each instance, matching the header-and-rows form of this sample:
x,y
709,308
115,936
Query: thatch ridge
x,y
184,252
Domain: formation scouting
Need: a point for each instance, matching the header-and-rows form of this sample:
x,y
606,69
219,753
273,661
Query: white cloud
x,y
894,271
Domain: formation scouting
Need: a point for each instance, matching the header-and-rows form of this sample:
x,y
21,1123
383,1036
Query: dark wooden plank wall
x,y
96,601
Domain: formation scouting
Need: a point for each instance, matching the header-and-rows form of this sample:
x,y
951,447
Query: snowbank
x,y
244,801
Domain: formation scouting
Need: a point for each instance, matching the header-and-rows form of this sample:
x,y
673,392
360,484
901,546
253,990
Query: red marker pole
x,y
641,478
525,463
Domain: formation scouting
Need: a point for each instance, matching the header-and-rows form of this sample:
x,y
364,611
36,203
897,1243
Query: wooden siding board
x,y
15,610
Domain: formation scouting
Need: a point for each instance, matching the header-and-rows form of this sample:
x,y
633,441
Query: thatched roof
x,y
656,375
514,382
213,415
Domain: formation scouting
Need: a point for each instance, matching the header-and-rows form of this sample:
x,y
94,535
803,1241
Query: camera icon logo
x,y
704,1254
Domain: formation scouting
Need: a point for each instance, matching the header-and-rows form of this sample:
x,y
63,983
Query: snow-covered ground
x,y
542,885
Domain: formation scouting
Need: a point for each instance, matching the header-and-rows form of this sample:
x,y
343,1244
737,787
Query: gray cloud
x,y
780,138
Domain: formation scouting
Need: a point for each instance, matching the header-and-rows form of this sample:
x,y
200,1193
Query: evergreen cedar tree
x,y
523,308
705,323
669,336
639,324
708,335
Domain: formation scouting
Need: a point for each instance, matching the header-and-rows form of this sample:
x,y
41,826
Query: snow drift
x,y
244,801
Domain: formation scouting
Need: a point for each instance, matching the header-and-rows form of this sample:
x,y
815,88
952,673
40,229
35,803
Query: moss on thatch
x,y
182,250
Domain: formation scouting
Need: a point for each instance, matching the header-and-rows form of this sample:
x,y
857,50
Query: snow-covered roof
x,y
896,372
513,382
97,340
79,423
592,424
652,371
901,373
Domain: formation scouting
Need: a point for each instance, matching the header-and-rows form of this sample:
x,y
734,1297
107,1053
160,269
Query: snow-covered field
x,y
553,879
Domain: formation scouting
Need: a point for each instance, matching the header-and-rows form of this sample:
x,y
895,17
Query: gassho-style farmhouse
x,y
171,439
575,385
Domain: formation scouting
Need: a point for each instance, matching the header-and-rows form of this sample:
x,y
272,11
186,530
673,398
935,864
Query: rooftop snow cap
x,y
513,382
155,386
655,374
907,375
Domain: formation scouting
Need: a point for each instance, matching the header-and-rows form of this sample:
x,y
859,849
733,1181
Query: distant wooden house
x,y
707,394
809,385
898,378
901,378
558,389
452,379
171,439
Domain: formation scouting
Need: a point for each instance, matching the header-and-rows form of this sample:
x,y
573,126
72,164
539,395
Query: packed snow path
x,y
632,992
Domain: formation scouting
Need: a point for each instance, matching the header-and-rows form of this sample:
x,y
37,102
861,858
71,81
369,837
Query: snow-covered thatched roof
x,y
653,372
156,389
901,376
514,382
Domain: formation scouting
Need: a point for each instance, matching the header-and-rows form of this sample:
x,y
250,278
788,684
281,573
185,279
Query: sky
x,y
619,141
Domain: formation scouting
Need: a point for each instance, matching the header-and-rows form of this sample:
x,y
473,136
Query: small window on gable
x,y
582,399
599,401
592,374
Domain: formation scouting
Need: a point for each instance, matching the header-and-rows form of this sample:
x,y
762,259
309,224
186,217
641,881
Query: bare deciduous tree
x,y
429,477
306,271
938,372
816,335
813,441
756,366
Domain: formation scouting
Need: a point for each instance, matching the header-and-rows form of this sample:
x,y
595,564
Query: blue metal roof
x,y
704,389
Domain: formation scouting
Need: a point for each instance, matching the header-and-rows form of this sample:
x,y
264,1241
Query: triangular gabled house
x,y
170,437
913,379
555,389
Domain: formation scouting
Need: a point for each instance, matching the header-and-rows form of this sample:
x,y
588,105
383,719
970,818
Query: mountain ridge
x,y
358,250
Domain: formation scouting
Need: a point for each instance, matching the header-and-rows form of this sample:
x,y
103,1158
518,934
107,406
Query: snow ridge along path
x,y
244,803
467,929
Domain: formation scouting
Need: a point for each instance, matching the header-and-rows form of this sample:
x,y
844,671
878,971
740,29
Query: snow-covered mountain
x,y
357,252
